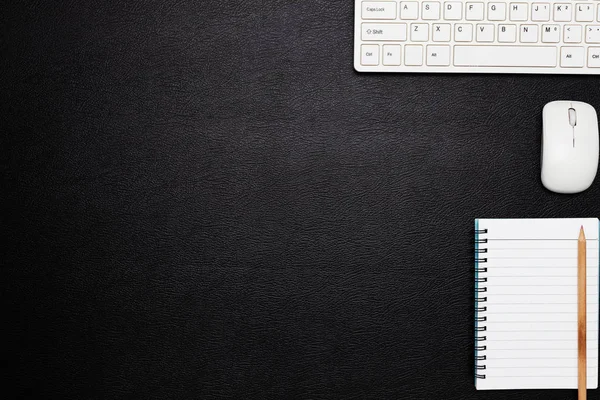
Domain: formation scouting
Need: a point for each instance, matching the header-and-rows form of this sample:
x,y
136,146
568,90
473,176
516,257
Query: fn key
x,y
438,56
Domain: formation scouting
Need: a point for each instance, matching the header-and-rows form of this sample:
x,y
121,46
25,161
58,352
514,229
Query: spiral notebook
x,y
526,303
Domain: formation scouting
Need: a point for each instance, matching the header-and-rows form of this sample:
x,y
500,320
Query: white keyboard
x,y
540,37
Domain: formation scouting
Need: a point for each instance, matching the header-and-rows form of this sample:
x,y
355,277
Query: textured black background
x,y
204,200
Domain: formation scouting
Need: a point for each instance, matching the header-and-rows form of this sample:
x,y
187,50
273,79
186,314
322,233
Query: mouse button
x,y
559,134
555,111
586,130
586,114
583,128
582,107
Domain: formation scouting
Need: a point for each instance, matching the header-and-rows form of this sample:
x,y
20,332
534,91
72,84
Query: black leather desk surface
x,y
205,200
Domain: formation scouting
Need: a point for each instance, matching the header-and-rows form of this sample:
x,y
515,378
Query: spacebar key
x,y
505,56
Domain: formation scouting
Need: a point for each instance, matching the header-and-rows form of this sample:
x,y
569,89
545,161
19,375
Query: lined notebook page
x,y
531,307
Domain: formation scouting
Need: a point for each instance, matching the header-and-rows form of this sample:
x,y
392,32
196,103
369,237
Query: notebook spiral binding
x,y
480,308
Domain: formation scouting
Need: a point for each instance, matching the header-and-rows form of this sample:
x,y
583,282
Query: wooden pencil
x,y
582,315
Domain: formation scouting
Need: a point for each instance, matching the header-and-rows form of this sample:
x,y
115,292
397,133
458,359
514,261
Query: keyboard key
x,y
378,10
540,12
431,10
391,54
572,57
463,33
594,57
592,34
496,11
413,55
518,11
485,33
383,32
474,12
573,34
441,32
550,33
584,12
507,33
438,56
563,12
453,10
598,12
505,56
529,33
409,10
369,54
419,32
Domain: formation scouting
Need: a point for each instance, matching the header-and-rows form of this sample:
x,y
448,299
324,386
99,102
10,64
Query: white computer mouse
x,y
569,146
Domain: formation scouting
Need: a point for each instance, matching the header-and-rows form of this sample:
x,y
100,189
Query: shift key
x,y
384,32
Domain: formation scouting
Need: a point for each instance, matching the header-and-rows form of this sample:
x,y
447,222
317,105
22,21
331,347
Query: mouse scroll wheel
x,y
572,117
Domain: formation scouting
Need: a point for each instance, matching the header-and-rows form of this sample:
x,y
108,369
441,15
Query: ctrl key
x,y
594,57
369,54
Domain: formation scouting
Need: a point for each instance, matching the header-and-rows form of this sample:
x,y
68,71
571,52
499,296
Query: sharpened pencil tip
x,y
581,234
